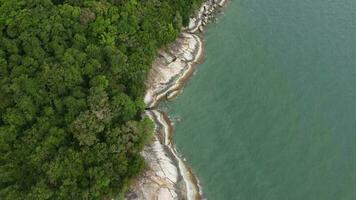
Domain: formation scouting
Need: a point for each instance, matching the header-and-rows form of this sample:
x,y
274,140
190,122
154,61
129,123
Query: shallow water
x,y
271,114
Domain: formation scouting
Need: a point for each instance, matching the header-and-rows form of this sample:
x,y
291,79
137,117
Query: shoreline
x,y
168,176
176,80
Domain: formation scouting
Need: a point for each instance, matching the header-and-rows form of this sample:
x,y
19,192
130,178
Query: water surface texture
x,y
271,114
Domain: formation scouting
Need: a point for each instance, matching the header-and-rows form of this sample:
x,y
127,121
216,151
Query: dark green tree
x,y
72,76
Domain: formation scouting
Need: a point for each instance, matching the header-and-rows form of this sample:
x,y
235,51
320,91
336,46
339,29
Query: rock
x,y
167,177
172,94
155,183
222,3
167,57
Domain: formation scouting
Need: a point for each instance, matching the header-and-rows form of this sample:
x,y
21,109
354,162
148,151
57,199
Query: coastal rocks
x,y
204,16
167,176
157,182
171,95
168,74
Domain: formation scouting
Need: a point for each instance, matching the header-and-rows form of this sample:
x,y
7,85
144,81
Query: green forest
x,y
72,76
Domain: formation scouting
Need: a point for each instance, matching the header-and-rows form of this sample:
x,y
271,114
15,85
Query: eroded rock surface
x,y
167,176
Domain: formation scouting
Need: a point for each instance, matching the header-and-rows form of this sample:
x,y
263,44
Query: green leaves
x,y
123,107
72,76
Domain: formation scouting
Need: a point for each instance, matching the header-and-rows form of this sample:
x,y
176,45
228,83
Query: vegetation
x,y
72,78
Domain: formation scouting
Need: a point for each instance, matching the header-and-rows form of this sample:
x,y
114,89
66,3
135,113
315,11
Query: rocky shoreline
x,y
167,176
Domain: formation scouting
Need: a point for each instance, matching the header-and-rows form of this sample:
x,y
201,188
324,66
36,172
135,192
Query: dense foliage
x,y
72,78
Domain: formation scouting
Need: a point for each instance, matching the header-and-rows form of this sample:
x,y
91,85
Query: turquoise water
x,y
271,114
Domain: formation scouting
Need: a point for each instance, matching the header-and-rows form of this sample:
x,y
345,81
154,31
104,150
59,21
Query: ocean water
x,y
271,113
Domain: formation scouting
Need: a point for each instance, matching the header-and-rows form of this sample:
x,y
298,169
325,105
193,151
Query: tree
x,y
72,76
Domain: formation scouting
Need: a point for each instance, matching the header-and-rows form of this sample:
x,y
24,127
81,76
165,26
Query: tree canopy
x,y
72,76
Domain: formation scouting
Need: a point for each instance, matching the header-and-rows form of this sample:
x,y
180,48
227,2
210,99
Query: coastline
x,y
168,177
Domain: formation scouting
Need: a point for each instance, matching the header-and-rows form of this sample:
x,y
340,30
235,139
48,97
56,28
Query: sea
x,y
271,113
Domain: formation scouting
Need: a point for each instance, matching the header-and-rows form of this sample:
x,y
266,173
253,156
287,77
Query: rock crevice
x,y
167,176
